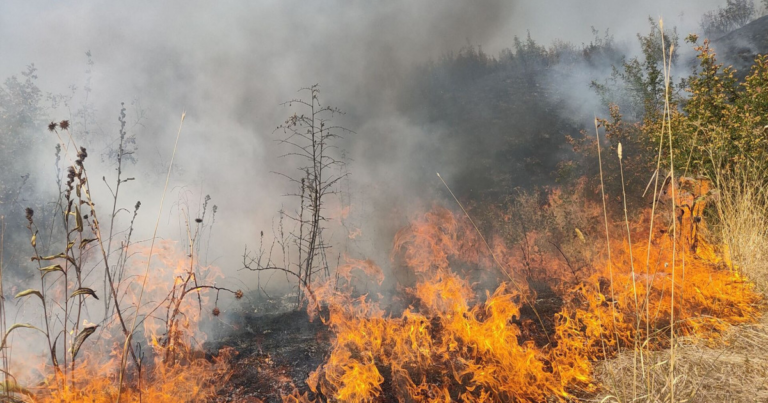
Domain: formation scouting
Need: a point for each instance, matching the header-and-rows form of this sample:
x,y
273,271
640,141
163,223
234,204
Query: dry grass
x,y
736,370
743,209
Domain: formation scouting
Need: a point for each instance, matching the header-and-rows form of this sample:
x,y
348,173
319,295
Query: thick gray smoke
x,y
231,64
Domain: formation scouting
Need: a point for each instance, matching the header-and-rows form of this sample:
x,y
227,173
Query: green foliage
x,y
724,120
637,86
717,121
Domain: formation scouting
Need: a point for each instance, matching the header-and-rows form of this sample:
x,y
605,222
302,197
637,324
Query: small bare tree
x,y
310,138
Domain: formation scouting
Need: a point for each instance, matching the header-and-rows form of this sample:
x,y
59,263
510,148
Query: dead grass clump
x,y
736,370
742,207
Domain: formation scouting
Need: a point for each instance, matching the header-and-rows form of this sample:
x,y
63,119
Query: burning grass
x,y
545,313
194,379
461,340
473,330
173,369
153,357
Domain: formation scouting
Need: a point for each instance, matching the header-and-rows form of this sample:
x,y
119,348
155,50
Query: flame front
x,y
473,319
459,341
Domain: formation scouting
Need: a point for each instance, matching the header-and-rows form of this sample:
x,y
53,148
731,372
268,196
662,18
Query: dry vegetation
x,y
741,208
143,306
732,370
586,291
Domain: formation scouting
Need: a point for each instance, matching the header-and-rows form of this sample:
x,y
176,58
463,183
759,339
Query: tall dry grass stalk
x,y
614,380
124,360
3,353
742,207
668,121
652,380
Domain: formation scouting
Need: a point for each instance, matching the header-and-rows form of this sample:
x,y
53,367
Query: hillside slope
x,y
740,47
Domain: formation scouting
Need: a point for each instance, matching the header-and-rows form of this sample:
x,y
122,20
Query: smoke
x,y
231,66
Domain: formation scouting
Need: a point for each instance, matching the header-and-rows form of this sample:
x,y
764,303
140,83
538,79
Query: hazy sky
x,y
54,34
571,20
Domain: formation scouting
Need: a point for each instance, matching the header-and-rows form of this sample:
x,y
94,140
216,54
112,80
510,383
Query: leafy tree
x,y
717,121
723,122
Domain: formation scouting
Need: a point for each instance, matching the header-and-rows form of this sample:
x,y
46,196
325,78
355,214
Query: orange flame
x,y
452,345
173,369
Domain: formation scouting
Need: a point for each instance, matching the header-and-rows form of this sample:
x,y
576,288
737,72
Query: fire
x,y
473,319
191,381
167,344
460,340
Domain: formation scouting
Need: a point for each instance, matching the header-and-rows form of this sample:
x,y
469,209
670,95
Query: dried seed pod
x,y
580,235
29,214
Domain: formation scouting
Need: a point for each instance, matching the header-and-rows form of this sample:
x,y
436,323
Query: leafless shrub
x,y
310,138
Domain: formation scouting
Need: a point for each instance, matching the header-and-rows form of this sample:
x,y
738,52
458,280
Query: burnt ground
x,y
275,354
